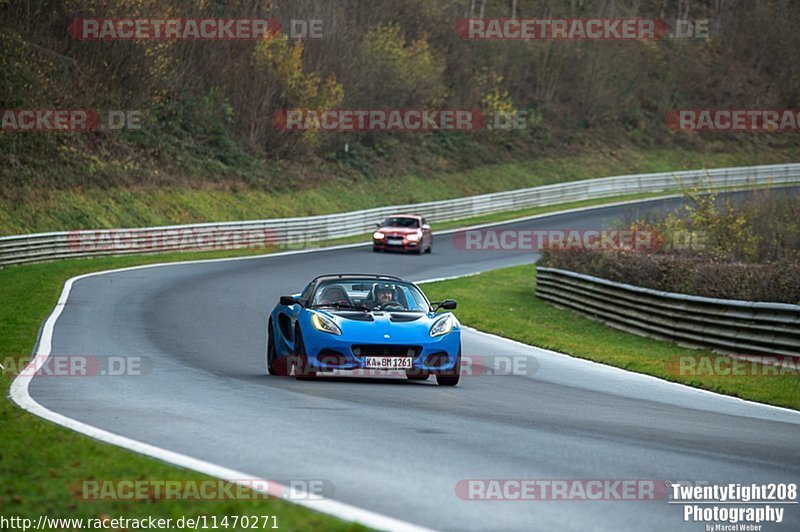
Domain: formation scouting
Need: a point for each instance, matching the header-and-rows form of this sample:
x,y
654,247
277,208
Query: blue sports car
x,y
364,322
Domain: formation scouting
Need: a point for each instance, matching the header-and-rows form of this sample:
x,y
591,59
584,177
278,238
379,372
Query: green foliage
x,y
400,73
502,302
29,210
762,228
279,61
209,106
36,474
496,98
746,248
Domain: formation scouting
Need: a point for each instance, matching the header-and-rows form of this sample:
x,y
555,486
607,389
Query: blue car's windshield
x,y
369,294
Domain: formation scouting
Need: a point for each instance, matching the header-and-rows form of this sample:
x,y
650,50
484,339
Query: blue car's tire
x,y
417,375
275,365
450,377
301,366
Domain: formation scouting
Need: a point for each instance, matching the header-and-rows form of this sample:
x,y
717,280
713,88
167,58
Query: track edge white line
x,y
19,394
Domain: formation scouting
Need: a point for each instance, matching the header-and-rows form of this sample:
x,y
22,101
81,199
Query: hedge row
x,y
776,282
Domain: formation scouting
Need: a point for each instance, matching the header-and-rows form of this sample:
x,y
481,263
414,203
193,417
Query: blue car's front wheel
x,y
302,368
275,365
417,375
450,377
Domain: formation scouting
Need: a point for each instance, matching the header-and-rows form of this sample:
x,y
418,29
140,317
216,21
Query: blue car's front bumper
x,y
330,352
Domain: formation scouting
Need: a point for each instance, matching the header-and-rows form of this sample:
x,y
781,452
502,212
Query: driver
x,y
384,296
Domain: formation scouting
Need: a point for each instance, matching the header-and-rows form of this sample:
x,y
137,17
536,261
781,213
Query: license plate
x,y
395,242
387,363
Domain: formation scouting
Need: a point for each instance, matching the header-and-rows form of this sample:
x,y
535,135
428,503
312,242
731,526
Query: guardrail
x,y
198,237
724,325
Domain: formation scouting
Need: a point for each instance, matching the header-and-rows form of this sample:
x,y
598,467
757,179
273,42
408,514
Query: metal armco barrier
x,y
227,235
724,325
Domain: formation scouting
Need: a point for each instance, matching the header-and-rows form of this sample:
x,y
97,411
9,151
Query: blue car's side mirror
x,y
288,300
447,304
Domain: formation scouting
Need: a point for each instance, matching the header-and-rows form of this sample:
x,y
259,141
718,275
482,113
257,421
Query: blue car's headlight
x,y
321,323
443,325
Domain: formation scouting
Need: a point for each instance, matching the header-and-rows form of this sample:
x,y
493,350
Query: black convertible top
x,y
327,276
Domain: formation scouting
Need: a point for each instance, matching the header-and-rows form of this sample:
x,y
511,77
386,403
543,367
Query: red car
x,y
403,232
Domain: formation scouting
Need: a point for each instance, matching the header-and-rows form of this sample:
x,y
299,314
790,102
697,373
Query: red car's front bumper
x,y
396,245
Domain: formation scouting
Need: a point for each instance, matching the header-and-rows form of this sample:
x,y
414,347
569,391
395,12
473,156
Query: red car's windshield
x,y
412,223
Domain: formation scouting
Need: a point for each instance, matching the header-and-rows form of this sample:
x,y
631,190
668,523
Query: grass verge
x,y
502,302
37,210
38,460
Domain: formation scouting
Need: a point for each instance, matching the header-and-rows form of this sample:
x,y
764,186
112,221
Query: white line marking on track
x,y
19,387
20,395
628,374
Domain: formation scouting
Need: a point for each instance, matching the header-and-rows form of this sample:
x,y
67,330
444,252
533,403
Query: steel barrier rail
x,y
724,325
20,249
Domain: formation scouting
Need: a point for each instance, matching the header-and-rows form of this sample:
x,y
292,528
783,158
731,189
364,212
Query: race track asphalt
x,y
393,446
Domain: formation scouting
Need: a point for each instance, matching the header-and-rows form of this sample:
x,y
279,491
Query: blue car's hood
x,y
399,326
